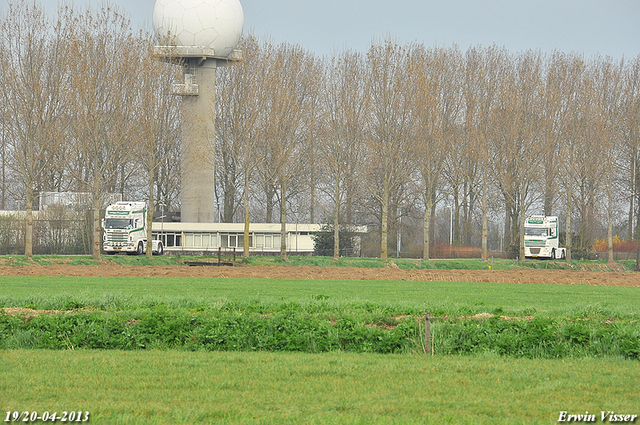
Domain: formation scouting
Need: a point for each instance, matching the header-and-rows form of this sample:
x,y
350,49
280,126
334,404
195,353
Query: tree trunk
x,y
247,218
610,218
312,201
384,231
568,230
348,214
638,251
149,219
336,223
485,223
432,224
456,219
229,202
426,232
507,227
521,235
268,190
549,191
97,231
632,208
283,221
28,237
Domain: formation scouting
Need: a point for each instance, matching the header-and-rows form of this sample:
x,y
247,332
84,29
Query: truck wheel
x,y
160,249
553,254
140,249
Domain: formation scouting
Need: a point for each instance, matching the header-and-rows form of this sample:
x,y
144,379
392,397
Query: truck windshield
x,y
118,223
533,231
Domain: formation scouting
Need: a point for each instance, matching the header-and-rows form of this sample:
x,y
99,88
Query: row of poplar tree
x,y
356,138
392,132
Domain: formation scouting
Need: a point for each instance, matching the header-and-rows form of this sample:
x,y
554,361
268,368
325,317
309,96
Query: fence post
x,y
427,334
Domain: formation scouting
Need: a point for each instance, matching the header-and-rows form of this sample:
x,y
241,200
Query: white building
x,y
209,237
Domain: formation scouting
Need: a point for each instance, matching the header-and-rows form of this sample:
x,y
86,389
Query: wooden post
x,y
427,333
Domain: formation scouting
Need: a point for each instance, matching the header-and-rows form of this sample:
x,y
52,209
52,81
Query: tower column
x,y
200,36
198,141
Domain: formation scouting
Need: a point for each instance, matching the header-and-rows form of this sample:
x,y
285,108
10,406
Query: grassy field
x,y
160,387
440,298
538,321
403,263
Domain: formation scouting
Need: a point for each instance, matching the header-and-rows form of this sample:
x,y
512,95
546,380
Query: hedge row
x,y
240,331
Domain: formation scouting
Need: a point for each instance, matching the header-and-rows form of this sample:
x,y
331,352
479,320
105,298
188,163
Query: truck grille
x,y
537,243
534,251
117,238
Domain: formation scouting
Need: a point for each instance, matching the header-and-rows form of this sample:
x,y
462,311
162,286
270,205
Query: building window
x,y
169,240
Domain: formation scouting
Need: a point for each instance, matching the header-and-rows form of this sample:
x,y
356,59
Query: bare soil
x,y
521,276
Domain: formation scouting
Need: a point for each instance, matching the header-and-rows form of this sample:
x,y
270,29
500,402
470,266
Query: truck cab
x,y
125,229
541,238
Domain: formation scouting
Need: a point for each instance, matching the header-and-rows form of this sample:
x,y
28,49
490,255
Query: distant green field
x,y
162,387
441,298
402,263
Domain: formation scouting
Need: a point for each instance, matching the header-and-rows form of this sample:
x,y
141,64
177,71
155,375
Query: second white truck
x,y
125,229
541,238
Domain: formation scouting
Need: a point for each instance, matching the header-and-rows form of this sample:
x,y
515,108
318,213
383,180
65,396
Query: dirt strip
x,y
522,276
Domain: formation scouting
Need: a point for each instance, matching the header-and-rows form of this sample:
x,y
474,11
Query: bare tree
x,y
345,108
630,132
289,89
32,63
606,128
157,134
517,140
435,108
102,74
483,73
240,120
388,158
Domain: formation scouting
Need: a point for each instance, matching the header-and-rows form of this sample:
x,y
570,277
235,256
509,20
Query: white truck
x,y
125,229
541,238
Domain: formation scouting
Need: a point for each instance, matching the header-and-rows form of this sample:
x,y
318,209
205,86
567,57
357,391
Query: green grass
x,y
108,293
456,264
545,321
402,263
160,387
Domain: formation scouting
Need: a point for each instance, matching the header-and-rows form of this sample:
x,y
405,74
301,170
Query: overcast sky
x,y
590,27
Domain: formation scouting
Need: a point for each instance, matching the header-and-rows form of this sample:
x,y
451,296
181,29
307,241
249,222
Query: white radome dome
x,y
215,24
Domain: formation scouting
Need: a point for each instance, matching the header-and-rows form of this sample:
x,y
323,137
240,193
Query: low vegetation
x,y
201,314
